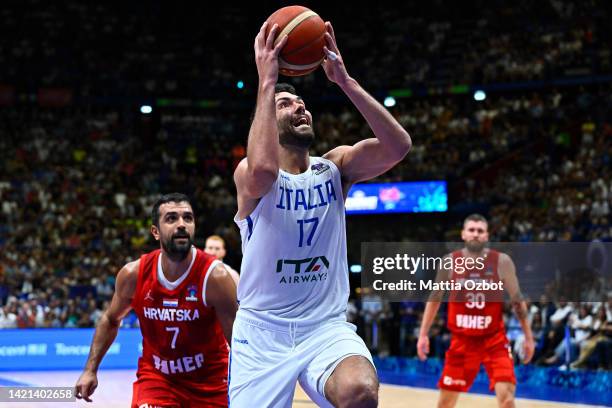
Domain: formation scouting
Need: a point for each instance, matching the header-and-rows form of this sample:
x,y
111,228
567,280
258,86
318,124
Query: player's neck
x,y
294,160
173,270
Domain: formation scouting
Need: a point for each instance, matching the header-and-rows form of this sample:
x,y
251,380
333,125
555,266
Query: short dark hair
x,y
475,217
279,87
284,87
167,198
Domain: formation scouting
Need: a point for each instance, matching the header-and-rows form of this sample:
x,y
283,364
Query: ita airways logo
x,y
192,291
319,168
302,270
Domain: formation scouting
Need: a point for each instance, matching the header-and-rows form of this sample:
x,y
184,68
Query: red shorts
x,y
466,353
161,393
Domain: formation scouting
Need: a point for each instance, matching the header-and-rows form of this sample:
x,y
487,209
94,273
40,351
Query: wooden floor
x,y
115,390
393,396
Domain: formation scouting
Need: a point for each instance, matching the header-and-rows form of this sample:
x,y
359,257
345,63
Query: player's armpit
x,y
221,294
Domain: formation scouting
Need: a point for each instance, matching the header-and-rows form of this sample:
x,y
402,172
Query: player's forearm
x,y
520,310
431,309
262,148
392,136
105,334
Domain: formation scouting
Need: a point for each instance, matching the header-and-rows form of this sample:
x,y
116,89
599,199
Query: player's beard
x,y
177,251
475,246
288,135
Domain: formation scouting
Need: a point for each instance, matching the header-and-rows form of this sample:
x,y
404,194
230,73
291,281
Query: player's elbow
x,y
401,147
405,144
109,320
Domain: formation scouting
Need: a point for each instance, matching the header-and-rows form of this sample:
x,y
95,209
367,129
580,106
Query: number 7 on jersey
x,y
176,332
303,225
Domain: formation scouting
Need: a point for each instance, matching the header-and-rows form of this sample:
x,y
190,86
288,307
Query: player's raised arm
x,y
429,314
370,157
221,294
107,329
507,273
255,175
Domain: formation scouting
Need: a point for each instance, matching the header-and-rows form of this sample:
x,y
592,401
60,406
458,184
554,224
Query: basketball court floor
x,y
115,390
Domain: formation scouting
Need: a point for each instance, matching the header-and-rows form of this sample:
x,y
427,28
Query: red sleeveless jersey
x,y
470,312
183,341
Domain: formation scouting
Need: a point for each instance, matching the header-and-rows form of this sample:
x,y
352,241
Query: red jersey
x,y
182,338
476,317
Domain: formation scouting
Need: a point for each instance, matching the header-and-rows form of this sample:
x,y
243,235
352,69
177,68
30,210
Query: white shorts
x,y
267,359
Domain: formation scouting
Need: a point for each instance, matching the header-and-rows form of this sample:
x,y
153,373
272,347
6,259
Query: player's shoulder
x,y
127,278
336,155
242,165
499,254
130,269
503,257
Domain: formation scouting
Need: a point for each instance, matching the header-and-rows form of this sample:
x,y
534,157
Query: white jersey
x,y
294,265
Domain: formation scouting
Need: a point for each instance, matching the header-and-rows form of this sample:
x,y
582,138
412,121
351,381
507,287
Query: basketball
x,y
303,52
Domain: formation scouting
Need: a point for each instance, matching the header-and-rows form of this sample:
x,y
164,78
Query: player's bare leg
x,y
353,384
448,399
504,391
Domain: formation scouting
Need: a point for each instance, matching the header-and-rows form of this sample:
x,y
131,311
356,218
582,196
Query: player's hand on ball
x,y
86,385
266,53
528,350
423,347
333,63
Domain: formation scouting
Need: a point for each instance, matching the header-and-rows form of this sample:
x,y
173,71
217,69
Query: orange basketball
x,y
303,52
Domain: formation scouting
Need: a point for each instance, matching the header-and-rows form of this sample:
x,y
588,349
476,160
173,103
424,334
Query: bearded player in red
x,y
475,322
185,301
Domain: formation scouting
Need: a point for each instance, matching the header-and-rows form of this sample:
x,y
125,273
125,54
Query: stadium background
x,y
82,162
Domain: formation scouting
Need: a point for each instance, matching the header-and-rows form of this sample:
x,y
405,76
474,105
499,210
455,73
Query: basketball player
x,y
477,326
294,287
215,246
185,301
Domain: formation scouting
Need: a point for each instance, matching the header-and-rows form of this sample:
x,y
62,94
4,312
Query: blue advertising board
x,y
406,197
64,349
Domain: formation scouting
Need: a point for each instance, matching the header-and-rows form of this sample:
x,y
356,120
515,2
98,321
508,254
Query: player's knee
x,y
506,401
505,398
447,399
359,394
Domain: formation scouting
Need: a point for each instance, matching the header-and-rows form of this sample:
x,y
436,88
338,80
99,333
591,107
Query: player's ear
x,y
155,232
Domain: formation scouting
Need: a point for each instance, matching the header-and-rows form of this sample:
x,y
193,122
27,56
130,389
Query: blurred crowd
x,y
77,183
156,48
